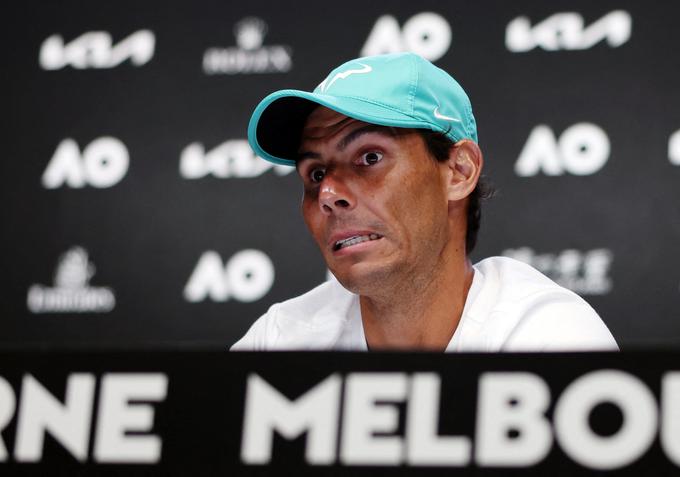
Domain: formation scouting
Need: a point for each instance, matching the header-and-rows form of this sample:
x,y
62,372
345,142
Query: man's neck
x,y
419,314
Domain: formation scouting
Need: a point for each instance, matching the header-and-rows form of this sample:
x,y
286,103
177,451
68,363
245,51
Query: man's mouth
x,y
353,240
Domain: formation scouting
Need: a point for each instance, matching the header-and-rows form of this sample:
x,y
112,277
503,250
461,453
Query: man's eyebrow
x,y
370,128
348,139
305,155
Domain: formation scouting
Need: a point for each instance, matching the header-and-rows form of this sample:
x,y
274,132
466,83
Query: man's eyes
x,y
316,174
370,158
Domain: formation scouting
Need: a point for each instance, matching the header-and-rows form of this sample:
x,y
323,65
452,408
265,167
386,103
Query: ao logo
x,y
103,163
231,159
95,49
582,149
674,148
427,34
566,31
247,277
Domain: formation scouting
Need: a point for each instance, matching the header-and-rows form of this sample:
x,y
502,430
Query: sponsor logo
x,y
674,148
103,163
512,425
231,159
325,84
95,49
581,150
71,291
585,273
249,56
247,276
119,434
439,115
427,34
567,31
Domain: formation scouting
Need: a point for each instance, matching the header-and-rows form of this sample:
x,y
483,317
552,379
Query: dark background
x,y
145,234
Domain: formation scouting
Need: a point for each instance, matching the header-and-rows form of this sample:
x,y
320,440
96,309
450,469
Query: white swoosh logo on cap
x,y
324,87
439,115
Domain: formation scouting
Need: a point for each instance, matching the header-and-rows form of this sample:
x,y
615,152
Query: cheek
x,y
421,204
312,216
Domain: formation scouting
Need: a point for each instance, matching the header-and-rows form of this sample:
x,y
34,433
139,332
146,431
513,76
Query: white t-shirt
x,y
510,307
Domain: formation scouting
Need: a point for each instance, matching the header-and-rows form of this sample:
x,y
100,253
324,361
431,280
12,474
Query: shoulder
x,y
533,313
513,272
309,321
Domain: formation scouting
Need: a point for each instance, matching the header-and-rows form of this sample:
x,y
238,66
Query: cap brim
x,y
275,127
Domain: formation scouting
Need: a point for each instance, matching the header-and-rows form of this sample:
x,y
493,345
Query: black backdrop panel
x,y
134,212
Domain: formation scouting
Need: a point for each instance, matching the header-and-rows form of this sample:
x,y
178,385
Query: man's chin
x,y
364,280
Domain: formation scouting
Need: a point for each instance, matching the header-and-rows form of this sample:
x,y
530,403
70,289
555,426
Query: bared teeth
x,y
348,242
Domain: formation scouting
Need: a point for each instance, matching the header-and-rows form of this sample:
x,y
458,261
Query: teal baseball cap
x,y
399,90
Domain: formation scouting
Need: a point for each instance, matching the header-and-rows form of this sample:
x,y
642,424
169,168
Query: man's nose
x,y
334,196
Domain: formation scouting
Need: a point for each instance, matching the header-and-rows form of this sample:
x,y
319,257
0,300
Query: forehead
x,y
325,123
325,128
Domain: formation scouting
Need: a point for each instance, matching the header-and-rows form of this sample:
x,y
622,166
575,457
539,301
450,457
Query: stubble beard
x,y
373,282
394,281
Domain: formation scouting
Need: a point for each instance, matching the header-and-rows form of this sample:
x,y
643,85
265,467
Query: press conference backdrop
x,y
135,213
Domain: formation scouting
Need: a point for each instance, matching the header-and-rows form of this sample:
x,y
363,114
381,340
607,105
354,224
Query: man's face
x,y
374,201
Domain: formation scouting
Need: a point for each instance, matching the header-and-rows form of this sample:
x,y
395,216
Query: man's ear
x,y
465,166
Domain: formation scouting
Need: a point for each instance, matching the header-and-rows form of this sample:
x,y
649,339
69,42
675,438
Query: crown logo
x,y
74,271
250,33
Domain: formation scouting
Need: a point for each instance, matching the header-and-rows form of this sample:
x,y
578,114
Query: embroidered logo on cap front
x,y
323,87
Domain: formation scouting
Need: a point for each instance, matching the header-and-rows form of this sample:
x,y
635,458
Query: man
x,y
386,148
